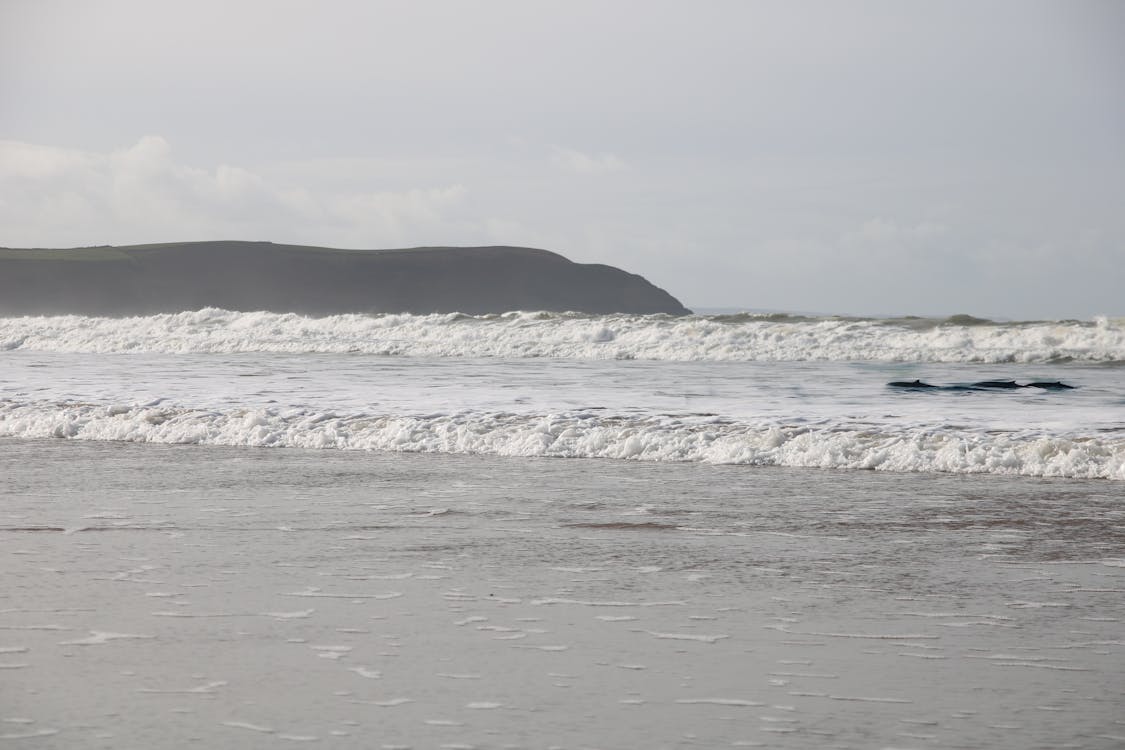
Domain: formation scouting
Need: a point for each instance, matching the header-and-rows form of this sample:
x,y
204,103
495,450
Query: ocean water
x,y
741,389
247,530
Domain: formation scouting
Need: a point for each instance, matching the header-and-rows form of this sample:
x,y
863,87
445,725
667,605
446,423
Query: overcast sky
x,y
847,157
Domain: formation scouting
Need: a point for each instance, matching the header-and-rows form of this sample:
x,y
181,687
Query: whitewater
x,y
764,390
741,337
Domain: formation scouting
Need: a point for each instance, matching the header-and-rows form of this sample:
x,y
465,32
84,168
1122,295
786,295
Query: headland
x,y
248,276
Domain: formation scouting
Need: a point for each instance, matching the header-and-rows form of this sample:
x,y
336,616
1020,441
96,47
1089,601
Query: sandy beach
x,y
186,596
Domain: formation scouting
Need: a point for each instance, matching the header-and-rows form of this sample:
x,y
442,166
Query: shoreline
x,y
242,598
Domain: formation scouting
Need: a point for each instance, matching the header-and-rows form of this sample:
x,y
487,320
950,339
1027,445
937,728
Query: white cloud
x,y
578,162
396,218
58,196
28,161
891,232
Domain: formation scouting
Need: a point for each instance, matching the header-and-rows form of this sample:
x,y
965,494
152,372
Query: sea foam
x,y
582,434
742,337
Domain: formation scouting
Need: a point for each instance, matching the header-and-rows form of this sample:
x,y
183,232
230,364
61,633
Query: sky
x,y
839,156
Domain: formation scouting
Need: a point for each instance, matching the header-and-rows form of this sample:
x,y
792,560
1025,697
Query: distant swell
x,y
583,435
575,336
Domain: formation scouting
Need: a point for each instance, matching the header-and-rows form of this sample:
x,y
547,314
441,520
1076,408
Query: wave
x,y
584,434
743,337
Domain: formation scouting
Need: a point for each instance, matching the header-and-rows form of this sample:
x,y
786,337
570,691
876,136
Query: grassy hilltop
x,y
171,277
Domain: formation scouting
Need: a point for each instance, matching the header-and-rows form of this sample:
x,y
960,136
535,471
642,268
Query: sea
x,y
761,390
532,529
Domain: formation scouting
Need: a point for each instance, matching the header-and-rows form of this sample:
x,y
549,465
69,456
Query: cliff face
x,y
146,279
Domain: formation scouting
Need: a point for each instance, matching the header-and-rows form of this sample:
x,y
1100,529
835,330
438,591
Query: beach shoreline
x,y
239,597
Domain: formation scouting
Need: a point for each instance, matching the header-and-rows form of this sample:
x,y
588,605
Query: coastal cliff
x,y
245,276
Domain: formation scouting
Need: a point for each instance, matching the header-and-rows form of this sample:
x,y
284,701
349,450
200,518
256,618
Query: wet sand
x,y
181,596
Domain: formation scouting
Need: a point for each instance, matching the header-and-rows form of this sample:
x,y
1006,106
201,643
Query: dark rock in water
x,y
246,276
1051,386
918,384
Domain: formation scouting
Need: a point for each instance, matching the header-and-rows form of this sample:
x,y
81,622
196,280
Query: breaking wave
x,y
743,337
584,434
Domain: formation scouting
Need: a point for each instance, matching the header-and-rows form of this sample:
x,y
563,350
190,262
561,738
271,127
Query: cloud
x,y
56,196
889,232
395,217
30,162
578,162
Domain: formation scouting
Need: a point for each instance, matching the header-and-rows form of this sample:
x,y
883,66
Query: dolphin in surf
x,y
981,385
997,384
915,384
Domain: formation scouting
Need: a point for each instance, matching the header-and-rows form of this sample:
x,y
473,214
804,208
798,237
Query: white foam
x,y
99,637
206,689
571,335
579,434
718,702
391,703
29,735
687,636
863,699
316,593
540,602
298,615
248,725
